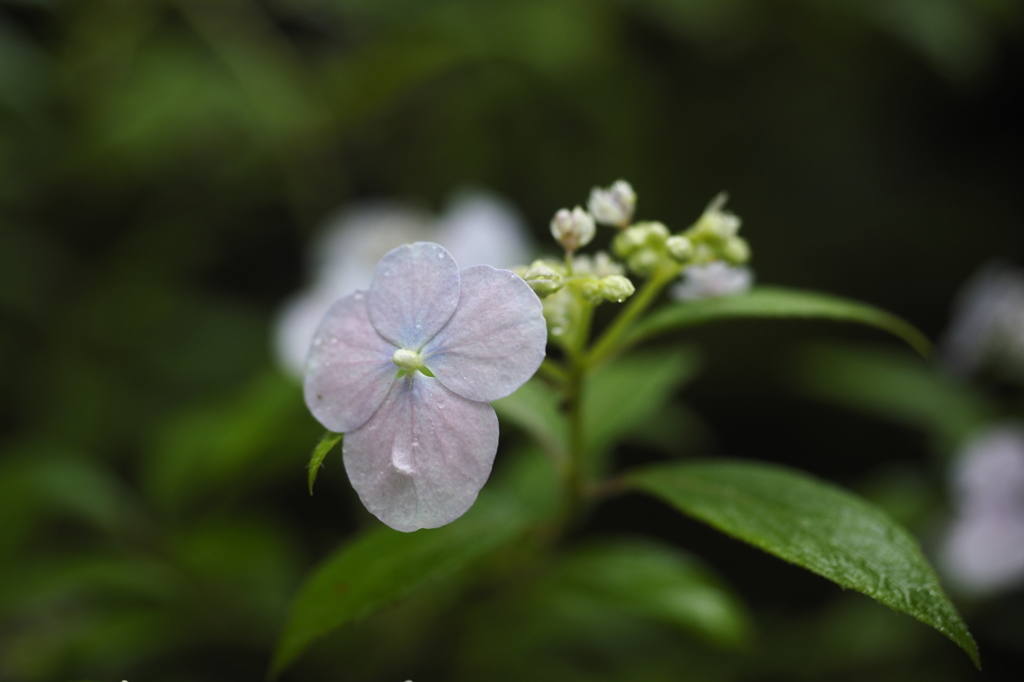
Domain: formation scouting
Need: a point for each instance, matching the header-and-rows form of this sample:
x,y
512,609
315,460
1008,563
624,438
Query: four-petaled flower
x,y
406,371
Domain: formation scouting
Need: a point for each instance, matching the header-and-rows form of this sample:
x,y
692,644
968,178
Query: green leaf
x,y
894,386
229,442
316,461
814,525
619,395
776,302
383,566
647,579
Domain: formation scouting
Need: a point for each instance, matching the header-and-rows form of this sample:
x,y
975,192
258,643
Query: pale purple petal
x,y
414,292
984,553
420,461
349,369
495,340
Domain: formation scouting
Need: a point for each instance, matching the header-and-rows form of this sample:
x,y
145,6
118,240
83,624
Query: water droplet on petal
x,y
440,254
317,341
441,405
415,443
334,339
358,296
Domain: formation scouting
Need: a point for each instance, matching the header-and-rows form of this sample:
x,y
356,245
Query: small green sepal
x,y
316,461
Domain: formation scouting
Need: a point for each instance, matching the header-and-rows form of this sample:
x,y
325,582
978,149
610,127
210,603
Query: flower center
x,y
408,360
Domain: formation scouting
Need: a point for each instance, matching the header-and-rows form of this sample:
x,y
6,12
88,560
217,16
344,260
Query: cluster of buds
x,y
595,280
714,235
567,287
643,248
647,246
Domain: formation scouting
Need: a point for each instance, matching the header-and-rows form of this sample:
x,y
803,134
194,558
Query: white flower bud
x,y
572,229
604,265
716,222
643,262
613,206
654,233
543,279
616,288
736,251
629,241
590,289
679,247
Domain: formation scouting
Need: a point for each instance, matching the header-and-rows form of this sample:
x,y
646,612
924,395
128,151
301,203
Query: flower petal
x,y
349,368
495,340
420,461
414,292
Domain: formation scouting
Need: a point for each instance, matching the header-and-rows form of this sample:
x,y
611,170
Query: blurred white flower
x,y
477,229
712,280
983,551
987,329
613,205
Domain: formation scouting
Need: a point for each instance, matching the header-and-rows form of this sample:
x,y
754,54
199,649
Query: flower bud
x,y
590,290
654,234
572,229
736,251
616,288
604,265
629,241
643,262
613,206
680,248
717,223
543,279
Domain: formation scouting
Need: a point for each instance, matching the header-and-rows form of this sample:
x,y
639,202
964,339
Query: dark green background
x,y
163,164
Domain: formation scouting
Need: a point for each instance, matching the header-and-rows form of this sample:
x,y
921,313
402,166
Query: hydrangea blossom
x,y
406,371
987,329
711,280
477,228
984,547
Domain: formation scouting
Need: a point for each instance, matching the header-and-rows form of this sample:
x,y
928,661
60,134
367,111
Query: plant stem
x,y
605,345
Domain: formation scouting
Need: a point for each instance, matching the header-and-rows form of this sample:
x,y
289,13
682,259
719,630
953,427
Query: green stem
x,y
554,372
575,479
605,345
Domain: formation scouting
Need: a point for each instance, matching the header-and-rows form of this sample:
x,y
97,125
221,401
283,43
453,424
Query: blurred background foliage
x,y
163,164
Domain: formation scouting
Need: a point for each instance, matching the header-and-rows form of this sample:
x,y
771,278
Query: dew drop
x,y
358,296
317,341
415,443
441,405
334,339
440,254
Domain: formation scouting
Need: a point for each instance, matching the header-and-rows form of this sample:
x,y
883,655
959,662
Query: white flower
x,y
712,280
987,329
478,228
406,370
983,551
